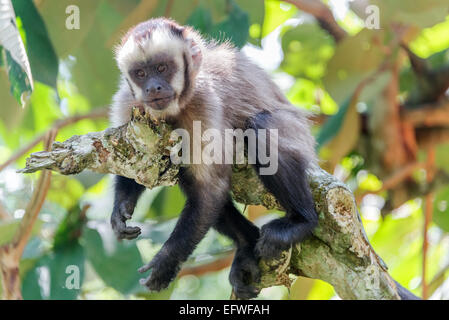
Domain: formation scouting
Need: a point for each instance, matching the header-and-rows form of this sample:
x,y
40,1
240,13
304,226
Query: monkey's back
x,y
246,90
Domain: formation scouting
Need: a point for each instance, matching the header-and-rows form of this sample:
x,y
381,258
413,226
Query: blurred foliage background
x,y
373,73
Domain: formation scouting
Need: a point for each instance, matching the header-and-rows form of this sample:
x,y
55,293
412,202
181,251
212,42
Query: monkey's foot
x,y
244,274
118,221
163,272
278,235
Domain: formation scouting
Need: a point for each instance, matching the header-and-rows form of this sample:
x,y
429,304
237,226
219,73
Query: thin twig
x,y
395,179
213,266
429,115
168,8
4,214
323,14
34,206
427,219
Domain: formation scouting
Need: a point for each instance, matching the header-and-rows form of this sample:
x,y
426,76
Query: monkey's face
x,y
160,60
153,79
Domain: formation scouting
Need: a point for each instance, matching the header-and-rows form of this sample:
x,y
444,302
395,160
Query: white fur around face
x,y
160,41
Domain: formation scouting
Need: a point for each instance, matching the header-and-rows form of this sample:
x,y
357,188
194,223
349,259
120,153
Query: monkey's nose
x,y
154,89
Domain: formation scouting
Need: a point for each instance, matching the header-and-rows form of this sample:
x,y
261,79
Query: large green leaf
x,y
42,56
168,203
234,28
115,262
12,50
355,59
201,20
51,278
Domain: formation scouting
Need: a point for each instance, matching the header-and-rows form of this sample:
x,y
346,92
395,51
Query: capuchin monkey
x,y
177,76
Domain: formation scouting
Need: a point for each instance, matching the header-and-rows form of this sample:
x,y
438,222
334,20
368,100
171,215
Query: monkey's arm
x,y
126,194
200,213
338,252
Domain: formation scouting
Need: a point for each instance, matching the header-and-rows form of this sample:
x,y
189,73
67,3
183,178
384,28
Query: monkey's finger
x,y
130,233
144,281
124,213
245,292
145,268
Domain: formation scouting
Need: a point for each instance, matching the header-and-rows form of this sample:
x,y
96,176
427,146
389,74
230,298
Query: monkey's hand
x,y
244,273
120,214
164,270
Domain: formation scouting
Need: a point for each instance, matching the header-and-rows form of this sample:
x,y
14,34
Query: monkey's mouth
x,y
159,103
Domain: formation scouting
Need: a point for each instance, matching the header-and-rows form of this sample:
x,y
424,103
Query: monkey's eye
x,y
161,68
140,73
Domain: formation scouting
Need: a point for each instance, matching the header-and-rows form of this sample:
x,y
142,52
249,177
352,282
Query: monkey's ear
x,y
197,56
193,40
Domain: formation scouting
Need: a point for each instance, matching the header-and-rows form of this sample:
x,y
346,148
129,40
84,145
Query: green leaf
x,y
307,48
69,230
276,13
332,126
355,59
19,80
168,203
309,95
15,59
115,262
234,28
432,40
201,20
49,278
42,56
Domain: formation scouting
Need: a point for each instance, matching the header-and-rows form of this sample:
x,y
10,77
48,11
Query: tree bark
x,y
338,252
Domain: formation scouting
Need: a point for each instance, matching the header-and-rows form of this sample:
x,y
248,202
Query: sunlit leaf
x,y
307,49
14,56
276,13
42,56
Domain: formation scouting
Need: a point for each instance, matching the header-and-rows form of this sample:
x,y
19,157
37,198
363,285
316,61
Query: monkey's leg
x,y
201,211
127,192
290,187
245,267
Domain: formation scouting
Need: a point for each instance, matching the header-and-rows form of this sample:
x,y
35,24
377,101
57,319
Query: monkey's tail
x,y
405,294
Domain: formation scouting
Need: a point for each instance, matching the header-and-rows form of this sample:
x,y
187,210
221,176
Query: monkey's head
x,y
160,60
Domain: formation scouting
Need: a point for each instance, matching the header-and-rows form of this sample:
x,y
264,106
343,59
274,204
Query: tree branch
x,y
428,115
338,252
324,16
